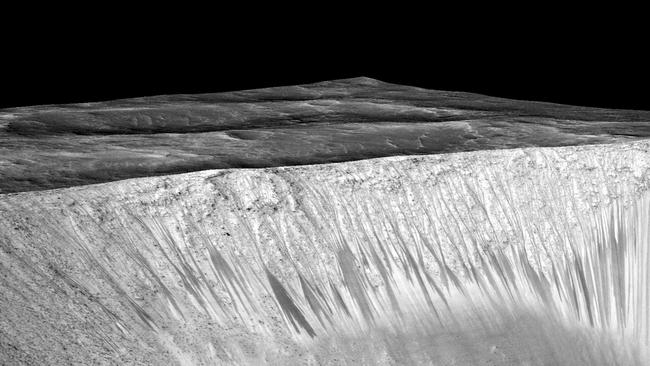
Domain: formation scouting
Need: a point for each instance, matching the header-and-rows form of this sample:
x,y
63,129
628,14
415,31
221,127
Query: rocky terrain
x,y
511,254
55,146
254,264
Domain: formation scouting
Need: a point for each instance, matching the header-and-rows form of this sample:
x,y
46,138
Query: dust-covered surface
x,y
55,146
306,264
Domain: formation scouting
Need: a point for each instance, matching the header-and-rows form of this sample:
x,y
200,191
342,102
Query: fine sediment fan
x,y
504,255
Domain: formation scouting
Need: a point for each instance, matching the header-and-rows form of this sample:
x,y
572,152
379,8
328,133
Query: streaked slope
x,y
454,258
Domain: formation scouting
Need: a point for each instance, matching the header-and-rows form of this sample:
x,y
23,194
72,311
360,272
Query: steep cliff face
x,y
271,265
297,263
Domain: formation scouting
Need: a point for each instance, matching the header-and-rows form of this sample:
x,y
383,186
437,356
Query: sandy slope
x,y
258,264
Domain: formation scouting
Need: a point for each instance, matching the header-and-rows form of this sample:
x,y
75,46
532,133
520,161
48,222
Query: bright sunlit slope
x,y
499,257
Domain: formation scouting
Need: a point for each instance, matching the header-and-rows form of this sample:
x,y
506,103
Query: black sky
x,y
585,69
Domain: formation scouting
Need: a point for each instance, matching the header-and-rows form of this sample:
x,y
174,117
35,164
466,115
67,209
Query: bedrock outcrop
x,y
56,146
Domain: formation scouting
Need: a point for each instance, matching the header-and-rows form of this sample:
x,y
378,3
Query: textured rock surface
x,y
46,147
202,267
480,252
